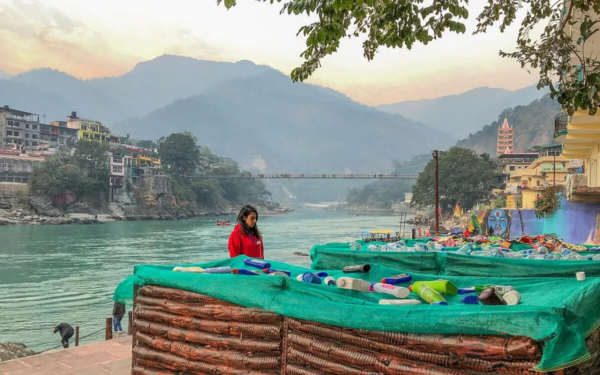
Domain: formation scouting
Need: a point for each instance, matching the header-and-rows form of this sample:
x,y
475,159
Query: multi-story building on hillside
x,y
19,130
88,129
505,143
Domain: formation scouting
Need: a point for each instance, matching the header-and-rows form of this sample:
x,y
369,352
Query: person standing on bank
x,y
118,314
246,238
66,332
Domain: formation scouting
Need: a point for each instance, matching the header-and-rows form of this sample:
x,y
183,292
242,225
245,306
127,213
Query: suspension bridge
x,y
308,176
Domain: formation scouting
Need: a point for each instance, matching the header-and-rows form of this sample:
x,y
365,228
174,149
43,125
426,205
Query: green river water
x,y
53,274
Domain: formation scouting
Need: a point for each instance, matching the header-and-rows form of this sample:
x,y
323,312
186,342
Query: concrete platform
x,y
105,357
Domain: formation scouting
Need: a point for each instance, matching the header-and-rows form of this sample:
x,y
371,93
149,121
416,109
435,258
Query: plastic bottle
x,y
512,298
359,268
399,302
321,274
419,246
309,277
428,295
279,273
242,271
396,291
189,269
500,289
466,249
329,281
270,270
373,248
470,300
440,286
355,246
489,297
218,270
480,253
542,250
398,279
588,257
438,248
354,284
257,263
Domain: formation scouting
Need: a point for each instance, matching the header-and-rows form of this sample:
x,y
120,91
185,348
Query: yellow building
x,y
549,169
88,129
580,135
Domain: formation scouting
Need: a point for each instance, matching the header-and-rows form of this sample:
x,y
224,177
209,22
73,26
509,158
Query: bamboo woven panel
x,y
181,332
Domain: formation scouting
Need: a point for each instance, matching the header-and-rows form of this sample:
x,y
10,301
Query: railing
x,y
561,121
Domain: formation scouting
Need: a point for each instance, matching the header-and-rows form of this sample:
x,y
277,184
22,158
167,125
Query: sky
x,y
93,38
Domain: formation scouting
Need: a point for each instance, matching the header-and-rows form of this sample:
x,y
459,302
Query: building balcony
x,y
579,191
561,122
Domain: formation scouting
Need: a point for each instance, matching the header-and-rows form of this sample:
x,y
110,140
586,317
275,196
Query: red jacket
x,y
244,244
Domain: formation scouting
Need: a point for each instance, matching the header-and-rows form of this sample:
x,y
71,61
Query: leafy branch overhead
x,y
560,51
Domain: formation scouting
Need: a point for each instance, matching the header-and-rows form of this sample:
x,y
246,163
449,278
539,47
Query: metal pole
x,y
130,324
76,335
437,193
109,332
554,182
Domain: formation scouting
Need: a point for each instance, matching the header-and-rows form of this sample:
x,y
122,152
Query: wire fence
x,y
73,340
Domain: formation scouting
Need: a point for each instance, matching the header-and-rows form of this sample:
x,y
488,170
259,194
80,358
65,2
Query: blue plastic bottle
x,y
470,300
242,271
309,277
321,274
257,263
271,270
403,278
462,291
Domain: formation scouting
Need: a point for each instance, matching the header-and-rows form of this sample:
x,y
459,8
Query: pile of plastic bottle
x,y
541,252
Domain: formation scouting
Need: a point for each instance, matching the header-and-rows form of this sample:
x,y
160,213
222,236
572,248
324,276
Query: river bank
x,y
37,210
343,206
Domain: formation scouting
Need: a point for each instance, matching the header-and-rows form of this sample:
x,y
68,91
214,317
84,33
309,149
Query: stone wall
x,y
12,190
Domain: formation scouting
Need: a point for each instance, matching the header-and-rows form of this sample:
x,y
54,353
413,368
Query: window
x,y
538,183
16,134
26,143
26,126
511,168
34,143
54,139
8,132
34,136
117,169
117,159
10,122
26,135
34,127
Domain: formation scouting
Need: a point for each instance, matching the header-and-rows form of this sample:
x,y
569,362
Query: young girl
x,y
246,238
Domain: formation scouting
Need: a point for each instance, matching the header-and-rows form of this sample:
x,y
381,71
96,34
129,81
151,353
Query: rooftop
x,y
16,112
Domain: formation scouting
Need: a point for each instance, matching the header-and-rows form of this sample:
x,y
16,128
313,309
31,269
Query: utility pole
x,y
436,154
554,179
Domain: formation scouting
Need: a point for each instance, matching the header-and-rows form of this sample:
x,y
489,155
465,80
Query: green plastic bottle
x,y
427,294
440,286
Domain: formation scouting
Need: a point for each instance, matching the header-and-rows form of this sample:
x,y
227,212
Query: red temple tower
x,y
505,139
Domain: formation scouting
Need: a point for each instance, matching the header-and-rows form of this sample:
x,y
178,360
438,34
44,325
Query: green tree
x,y
146,144
399,24
179,151
83,171
464,178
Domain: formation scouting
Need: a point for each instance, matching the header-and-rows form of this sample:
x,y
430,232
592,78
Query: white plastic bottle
x,y
466,249
353,284
396,291
399,302
355,246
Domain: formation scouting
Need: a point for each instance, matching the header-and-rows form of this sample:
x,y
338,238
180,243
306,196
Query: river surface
x,y
53,274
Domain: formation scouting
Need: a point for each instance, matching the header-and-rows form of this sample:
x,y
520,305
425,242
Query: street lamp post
x,y
436,154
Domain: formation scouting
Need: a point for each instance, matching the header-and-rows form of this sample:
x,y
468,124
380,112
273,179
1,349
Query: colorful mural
x,y
576,223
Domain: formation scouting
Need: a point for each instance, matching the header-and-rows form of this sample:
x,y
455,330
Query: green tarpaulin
x,y
449,263
559,311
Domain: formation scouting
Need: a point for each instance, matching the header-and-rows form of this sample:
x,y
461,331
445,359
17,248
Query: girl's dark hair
x,y
241,218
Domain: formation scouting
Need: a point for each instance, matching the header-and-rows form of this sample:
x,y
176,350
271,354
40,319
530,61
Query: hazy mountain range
x,y
464,113
4,75
256,115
